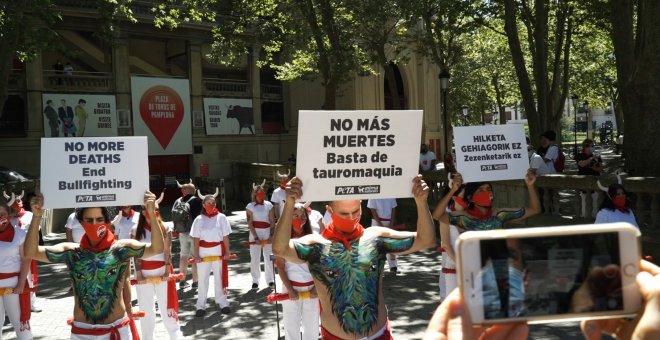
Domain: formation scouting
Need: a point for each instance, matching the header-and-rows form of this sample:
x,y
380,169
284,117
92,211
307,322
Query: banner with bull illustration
x,y
228,116
161,111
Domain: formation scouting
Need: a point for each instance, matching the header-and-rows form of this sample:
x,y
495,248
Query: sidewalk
x,y
411,298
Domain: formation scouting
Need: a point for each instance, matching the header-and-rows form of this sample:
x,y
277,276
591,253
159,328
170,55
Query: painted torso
x,y
496,221
98,279
349,281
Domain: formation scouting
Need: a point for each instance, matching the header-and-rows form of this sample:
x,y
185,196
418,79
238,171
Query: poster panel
x,y
228,116
79,115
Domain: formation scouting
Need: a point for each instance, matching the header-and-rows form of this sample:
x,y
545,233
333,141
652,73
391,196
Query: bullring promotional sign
x,y
228,116
92,172
491,152
358,154
161,111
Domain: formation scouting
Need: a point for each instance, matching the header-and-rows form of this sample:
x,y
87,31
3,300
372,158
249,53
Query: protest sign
x,y
94,172
161,111
228,116
79,115
491,152
358,154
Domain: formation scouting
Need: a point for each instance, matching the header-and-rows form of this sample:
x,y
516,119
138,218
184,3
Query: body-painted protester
x,y
99,268
347,260
261,220
210,232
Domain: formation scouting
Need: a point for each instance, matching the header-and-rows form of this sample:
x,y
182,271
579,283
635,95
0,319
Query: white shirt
x,y
10,258
314,218
298,272
279,197
383,208
124,225
327,218
77,230
537,162
23,222
426,159
260,212
616,215
158,257
552,154
210,229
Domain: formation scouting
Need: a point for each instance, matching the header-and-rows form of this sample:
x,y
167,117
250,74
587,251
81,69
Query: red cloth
x,y
387,334
302,284
207,244
24,303
151,265
449,270
129,215
8,234
113,331
172,298
106,242
331,233
460,201
35,274
134,331
7,275
225,271
213,213
261,224
476,213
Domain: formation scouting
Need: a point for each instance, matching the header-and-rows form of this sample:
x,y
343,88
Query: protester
x,y
452,321
448,237
550,153
14,268
383,213
210,232
74,230
315,219
589,164
616,205
479,213
184,211
352,305
279,194
124,223
427,159
297,312
158,266
99,268
260,219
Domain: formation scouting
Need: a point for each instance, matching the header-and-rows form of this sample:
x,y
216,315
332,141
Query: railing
x,y
645,193
271,92
16,81
78,81
232,88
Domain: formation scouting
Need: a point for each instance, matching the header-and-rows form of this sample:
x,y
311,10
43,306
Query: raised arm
x,y
440,212
31,246
282,247
534,206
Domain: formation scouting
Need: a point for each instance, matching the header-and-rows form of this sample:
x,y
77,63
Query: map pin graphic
x,y
161,109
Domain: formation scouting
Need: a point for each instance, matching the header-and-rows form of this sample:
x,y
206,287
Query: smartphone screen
x,y
550,275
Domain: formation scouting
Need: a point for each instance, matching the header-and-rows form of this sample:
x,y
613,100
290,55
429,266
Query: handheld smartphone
x,y
550,273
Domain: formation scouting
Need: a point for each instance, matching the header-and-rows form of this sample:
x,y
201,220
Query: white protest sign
x,y
358,154
93,172
491,152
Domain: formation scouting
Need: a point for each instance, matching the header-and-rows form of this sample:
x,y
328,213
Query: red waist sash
x,y
260,224
449,270
207,244
302,284
113,330
7,275
150,265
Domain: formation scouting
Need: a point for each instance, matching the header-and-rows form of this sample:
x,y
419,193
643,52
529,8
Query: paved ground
x,y
411,298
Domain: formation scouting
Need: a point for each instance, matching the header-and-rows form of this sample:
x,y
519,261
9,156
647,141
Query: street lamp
x,y
585,106
464,110
444,87
574,101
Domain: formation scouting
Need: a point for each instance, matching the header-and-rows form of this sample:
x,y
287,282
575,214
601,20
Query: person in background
x,y
550,153
383,213
261,222
184,211
616,205
74,230
589,164
279,195
124,223
427,159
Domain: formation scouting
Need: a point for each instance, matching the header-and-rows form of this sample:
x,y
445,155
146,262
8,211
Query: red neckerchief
x,y
332,234
212,214
296,234
476,213
258,203
8,234
460,201
129,215
104,244
20,213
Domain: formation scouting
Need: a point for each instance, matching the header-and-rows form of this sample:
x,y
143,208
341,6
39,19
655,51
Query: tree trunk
x,y
330,102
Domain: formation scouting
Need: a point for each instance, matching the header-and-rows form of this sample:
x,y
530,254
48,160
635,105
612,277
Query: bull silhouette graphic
x,y
243,115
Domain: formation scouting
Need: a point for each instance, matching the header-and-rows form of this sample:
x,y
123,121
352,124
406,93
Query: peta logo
x,y
357,189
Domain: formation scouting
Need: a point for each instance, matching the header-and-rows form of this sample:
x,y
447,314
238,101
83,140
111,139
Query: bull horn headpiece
x,y
601,187
181,185
254,186
160,199
307,204
288,173
21,196
10,199
199,194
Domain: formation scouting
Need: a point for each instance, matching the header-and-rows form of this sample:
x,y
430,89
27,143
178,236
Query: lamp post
x,y
586,110
574,101
444,87
464,110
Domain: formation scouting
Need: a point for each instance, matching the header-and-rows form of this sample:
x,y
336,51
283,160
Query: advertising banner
x,y
228,116
79,115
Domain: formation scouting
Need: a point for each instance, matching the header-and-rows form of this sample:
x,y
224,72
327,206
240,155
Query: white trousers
x,y
145,295
441,282
204,272
124,332
10,306
450,278
255,256
303,313
585,205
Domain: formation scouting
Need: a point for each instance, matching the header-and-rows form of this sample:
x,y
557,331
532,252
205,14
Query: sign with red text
x,y
161,111
491,152
94,172
358,154
79,115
